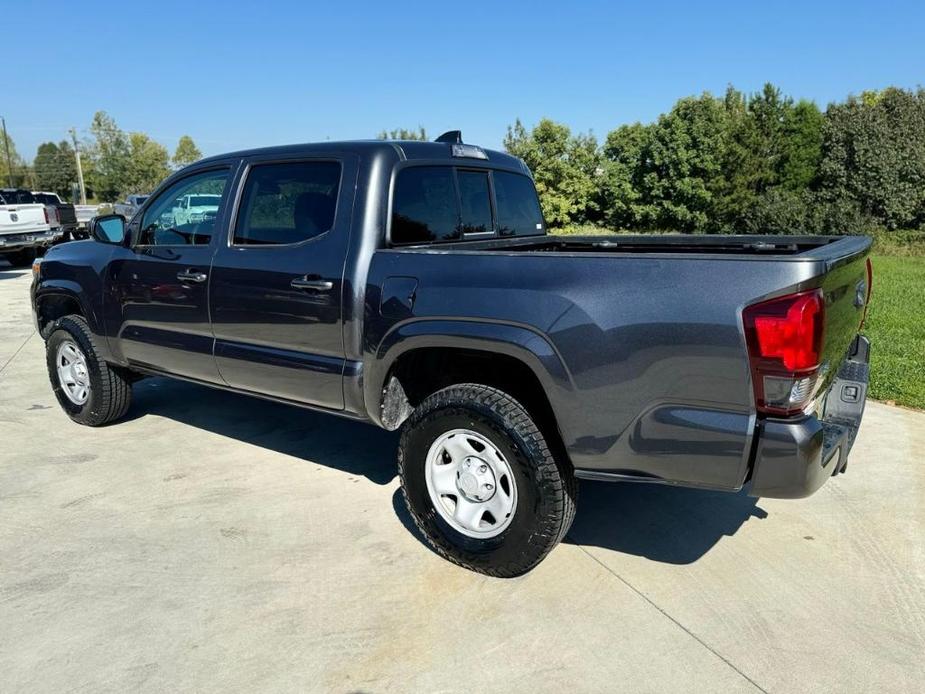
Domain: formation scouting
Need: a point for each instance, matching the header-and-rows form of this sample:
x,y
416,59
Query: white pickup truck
x,y
84,214
25,228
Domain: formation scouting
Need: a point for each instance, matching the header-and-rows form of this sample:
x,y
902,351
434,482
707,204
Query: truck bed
x,y
647,330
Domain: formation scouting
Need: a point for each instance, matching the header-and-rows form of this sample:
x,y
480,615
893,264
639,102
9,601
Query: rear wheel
x,y
88,389
481,483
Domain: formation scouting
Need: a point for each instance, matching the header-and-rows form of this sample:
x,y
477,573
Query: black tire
x,y
21,258
110,388
546,488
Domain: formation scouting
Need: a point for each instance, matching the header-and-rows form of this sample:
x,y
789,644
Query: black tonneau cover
x,y
797,247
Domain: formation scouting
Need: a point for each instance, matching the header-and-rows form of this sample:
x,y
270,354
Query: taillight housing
x,y
784,338
47,220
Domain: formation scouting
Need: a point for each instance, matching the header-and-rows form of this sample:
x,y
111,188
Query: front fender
x,y
521,342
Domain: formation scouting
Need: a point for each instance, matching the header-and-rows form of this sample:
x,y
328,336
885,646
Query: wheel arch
x,y
59,300
421,357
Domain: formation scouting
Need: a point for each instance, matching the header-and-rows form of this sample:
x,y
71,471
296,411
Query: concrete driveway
x,y
216,542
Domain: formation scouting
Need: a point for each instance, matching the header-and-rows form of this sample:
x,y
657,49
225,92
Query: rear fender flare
x,y
520,342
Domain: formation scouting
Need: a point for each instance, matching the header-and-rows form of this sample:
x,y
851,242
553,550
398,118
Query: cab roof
x,y
403,150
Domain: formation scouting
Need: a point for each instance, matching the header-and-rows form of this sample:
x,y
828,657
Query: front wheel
x,y
480,481
88,389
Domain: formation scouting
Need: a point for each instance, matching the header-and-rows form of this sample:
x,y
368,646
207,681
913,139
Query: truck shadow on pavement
x,y
335,442
8,272
666,524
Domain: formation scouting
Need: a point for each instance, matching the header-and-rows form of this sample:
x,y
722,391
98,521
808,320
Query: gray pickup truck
x,y
412,285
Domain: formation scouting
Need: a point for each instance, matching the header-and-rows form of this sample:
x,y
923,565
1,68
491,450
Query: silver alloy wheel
x,y
470,483
73,374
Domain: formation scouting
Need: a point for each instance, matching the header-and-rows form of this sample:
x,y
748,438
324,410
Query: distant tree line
x,y
403,134
759,163
115,163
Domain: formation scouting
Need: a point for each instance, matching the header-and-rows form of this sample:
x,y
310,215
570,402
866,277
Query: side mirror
x,y
108,228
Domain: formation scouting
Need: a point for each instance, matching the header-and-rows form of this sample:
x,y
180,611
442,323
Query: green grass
x,y
896,328
902,242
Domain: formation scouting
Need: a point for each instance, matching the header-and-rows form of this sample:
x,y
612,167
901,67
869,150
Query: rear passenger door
x,y
276,286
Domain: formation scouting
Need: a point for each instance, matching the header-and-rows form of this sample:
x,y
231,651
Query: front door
x,y
276,285
162,281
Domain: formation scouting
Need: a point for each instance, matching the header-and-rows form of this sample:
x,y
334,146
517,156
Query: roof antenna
x,y
452,137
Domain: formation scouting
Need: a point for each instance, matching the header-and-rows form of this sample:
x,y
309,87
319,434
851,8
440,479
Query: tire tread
x,y
116,395
555,477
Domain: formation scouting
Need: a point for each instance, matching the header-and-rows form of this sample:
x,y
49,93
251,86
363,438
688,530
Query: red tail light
x,y
47,221
784,338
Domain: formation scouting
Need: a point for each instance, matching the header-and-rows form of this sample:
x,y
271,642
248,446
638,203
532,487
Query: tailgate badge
x,y
14,217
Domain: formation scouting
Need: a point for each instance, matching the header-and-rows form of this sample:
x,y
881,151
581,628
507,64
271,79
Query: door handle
x,y
191,276
313,285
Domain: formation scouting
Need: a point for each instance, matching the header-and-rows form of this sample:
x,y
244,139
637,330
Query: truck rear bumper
x,y
32,239
794,457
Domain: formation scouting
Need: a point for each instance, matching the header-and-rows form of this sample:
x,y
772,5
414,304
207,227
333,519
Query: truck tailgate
x,y
846,289
17,219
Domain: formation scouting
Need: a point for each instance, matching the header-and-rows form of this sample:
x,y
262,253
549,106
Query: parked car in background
x,y
25,226
128,207
84,214
61,215
412,285
196,208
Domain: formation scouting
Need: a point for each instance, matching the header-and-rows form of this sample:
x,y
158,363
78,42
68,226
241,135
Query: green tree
x,y
55,167
566,169
873,157
622,184
186,152
684,166
801,150
754,152
149,164
22,175
121,163
111,155
403,134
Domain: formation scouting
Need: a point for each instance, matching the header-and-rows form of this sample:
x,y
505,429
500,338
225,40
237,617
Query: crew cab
x,y
26,226
412,285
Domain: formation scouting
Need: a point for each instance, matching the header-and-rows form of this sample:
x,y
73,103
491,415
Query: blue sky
x,y
283,72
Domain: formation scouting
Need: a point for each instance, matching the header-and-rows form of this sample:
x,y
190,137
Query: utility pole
x,y
80,172
9,159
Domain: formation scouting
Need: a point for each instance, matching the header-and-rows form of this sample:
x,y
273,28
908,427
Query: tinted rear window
x,y
518,207
424,205
18,197
475,202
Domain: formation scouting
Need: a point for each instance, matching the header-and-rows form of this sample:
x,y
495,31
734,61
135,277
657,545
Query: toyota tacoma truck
x,y
412,285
